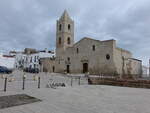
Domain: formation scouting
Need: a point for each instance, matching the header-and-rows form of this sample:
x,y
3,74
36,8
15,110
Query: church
x,y
88,55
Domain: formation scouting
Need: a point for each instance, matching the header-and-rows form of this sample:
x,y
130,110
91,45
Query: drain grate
x,y
16,100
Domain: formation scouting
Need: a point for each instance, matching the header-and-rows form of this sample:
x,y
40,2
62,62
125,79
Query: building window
x,y
68,58
30,66
93,47
59,40
35,59
68,40
60,27
31,59
77,50
107,56
34,66
69,27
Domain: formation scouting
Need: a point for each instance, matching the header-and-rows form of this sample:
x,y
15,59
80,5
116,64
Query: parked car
x,y
5,70
31,70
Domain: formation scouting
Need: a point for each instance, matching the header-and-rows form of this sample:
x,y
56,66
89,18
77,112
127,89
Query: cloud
x,y
31,23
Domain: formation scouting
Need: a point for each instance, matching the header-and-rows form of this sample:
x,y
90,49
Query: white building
x,y
30,59
7,61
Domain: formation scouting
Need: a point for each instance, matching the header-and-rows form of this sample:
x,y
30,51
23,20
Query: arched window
x,y
59,40
68,40
69,27
60,27
68,58
77,50
93,47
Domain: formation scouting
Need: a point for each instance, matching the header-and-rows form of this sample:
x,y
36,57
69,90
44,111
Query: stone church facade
x,y
88,55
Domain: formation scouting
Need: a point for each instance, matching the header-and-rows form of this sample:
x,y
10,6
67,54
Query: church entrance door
x,y
68,69
53,68
85,67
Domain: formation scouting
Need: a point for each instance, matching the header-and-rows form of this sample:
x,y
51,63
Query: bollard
x,y
79,80
5,85
38,82
71,81
23,83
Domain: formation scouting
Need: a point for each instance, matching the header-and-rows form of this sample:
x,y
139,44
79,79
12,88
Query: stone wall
x,y
100,57
133,66
48,65
96,59
119,82
119,59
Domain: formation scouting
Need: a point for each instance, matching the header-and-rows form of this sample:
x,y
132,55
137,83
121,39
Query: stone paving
x,y
76,99
16,100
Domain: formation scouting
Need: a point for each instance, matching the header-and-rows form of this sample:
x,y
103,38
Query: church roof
x,y
65,16
87,39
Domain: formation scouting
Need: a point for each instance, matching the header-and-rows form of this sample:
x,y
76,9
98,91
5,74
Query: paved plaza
x,y
77,98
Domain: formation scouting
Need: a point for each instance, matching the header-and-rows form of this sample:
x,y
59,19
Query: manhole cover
x,y
16,100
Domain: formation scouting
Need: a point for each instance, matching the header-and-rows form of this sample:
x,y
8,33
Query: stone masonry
x,y
89,55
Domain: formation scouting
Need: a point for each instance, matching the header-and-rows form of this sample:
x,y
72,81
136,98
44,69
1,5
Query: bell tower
x,y
64,33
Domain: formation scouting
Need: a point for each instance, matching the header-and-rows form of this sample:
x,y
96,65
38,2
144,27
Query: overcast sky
x,y
32,23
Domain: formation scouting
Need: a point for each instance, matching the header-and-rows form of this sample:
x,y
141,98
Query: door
x,y
68,69
85,67
53,68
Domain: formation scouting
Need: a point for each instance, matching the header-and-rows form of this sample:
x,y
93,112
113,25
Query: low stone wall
x,y
119,82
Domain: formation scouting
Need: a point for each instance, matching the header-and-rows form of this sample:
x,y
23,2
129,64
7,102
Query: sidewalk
x,y
80,99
